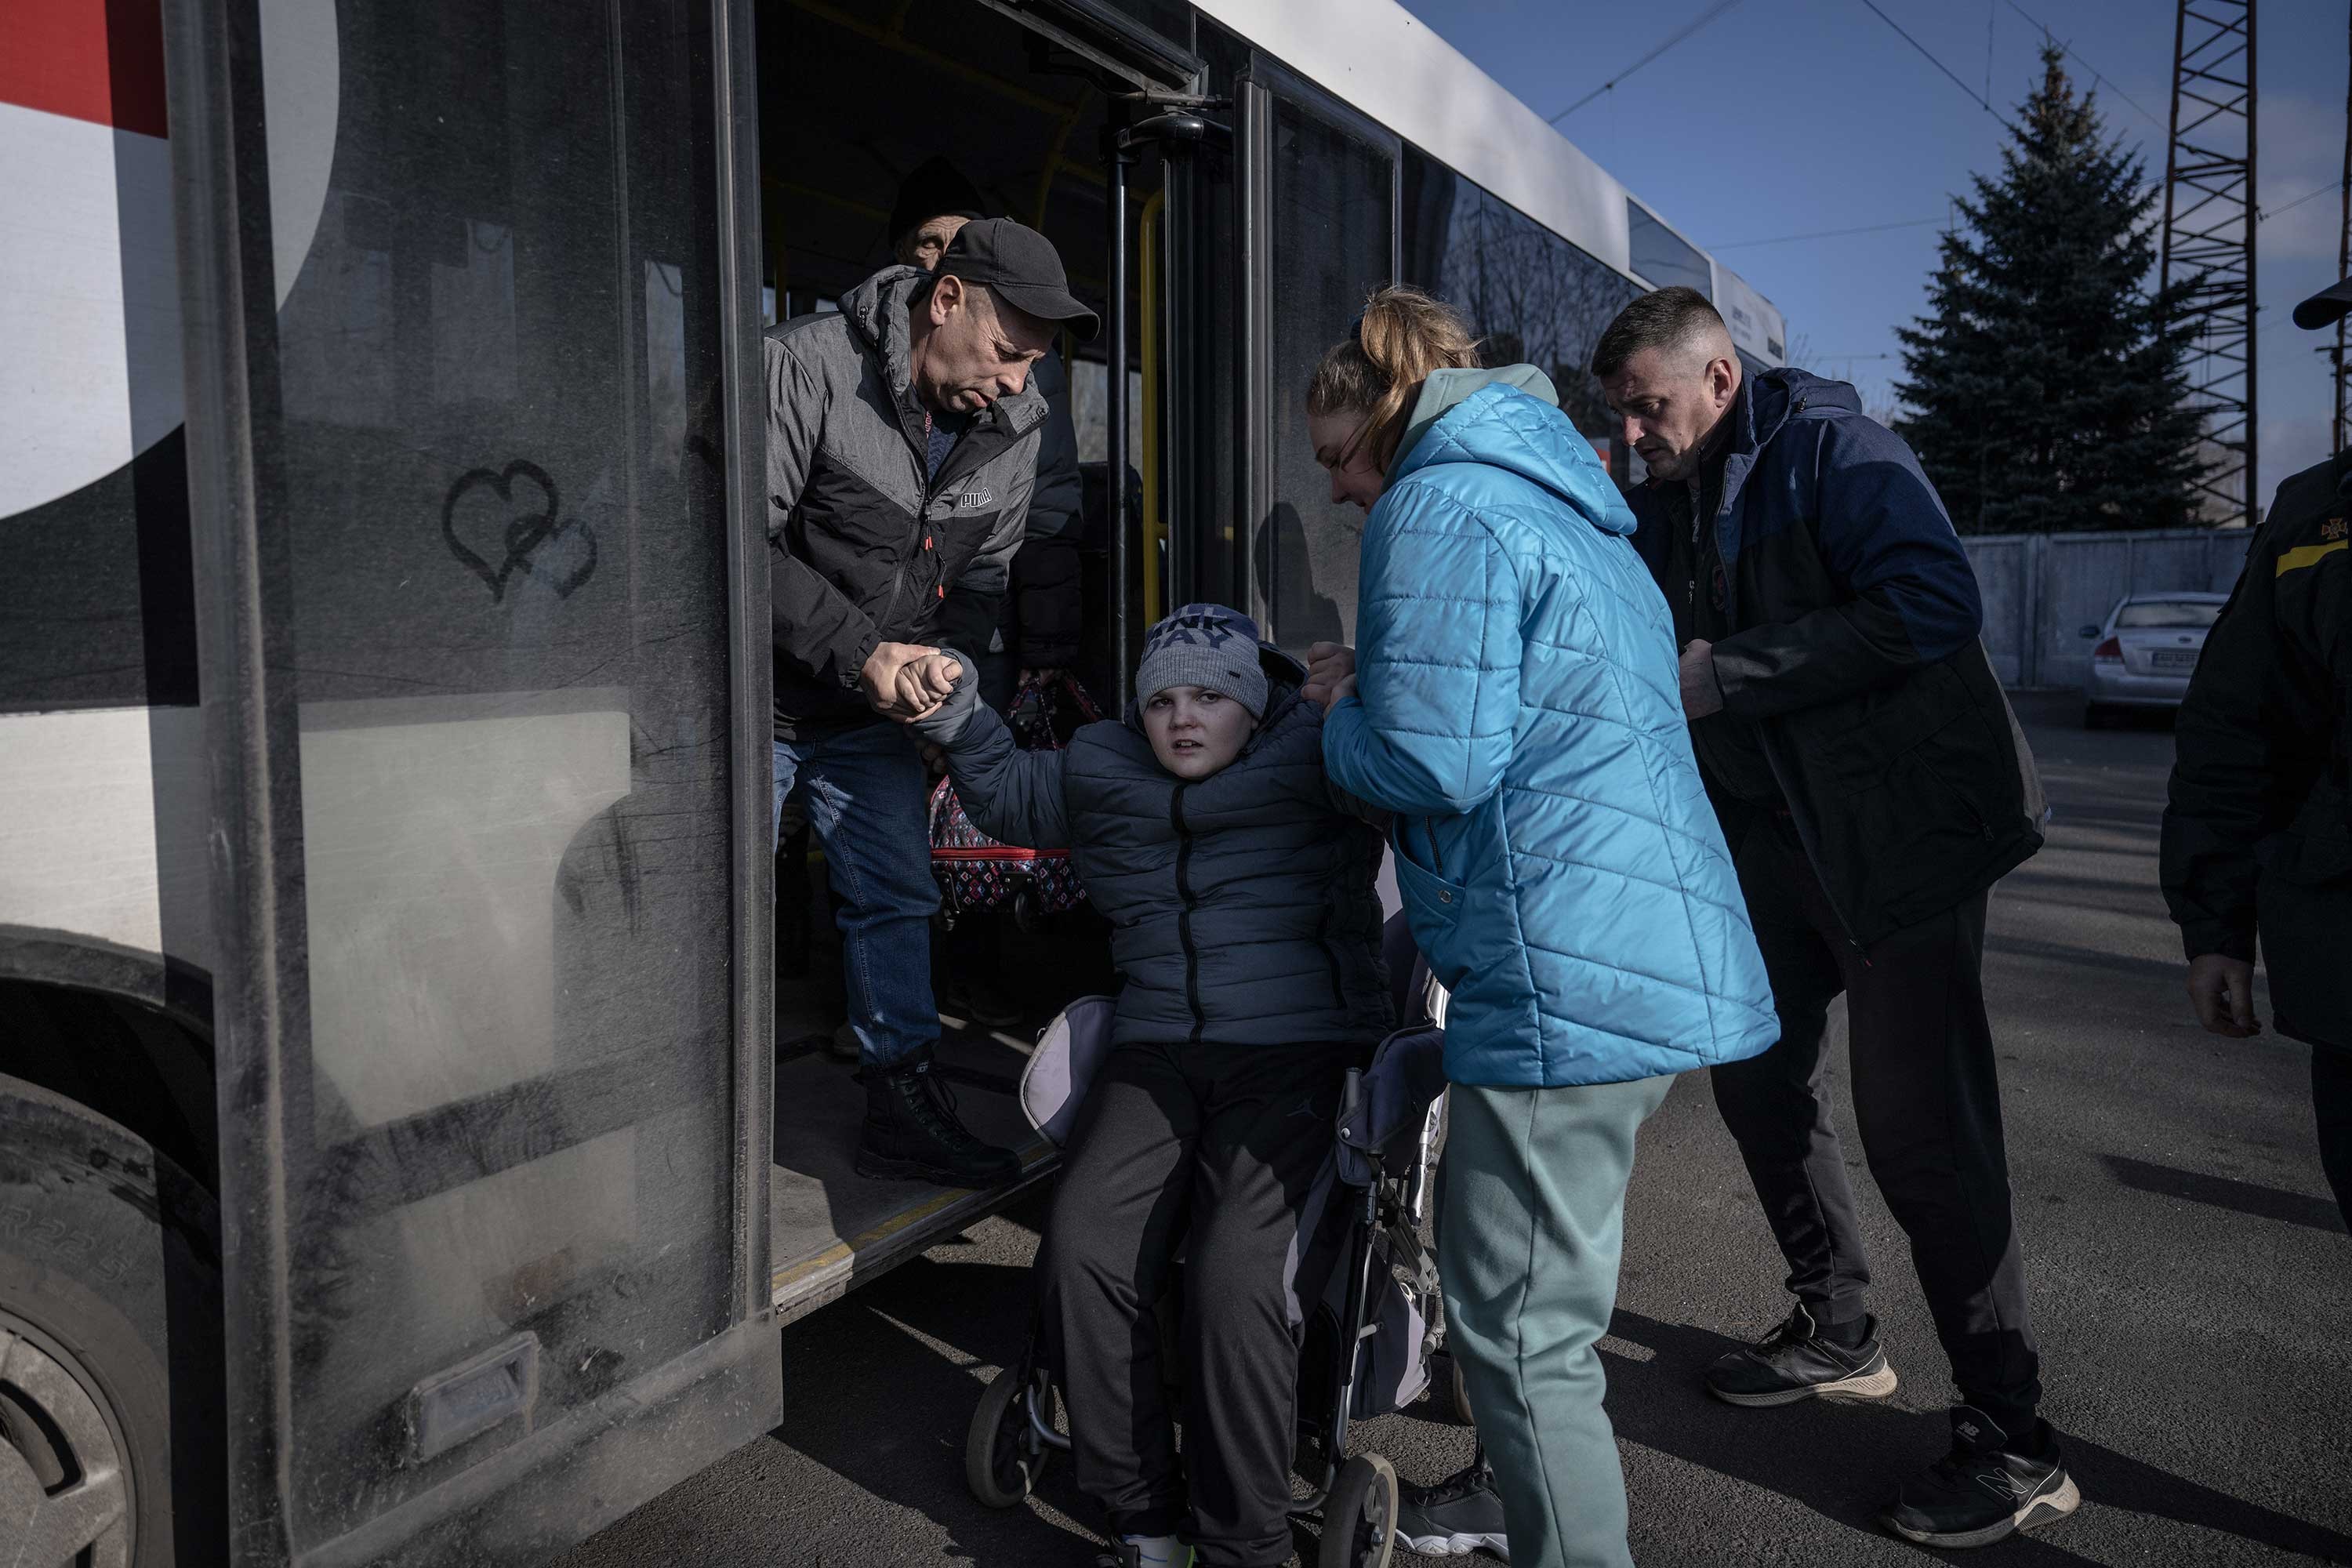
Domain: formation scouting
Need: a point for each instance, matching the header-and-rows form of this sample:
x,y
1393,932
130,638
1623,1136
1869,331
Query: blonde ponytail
x,y
1403,335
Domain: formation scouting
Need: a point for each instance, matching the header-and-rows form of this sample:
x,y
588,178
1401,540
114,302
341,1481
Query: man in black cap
x,y
1038,617
903,435
2258,836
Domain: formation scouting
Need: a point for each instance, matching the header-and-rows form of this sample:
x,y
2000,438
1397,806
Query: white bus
x,y
408,1152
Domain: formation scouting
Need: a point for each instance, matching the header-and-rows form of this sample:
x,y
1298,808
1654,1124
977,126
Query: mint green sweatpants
x,y
1529,1235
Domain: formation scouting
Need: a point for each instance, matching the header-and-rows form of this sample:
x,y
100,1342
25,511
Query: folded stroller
x,y
1372,1327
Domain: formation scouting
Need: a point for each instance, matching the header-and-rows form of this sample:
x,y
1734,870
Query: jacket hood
x,y
1768,402
1509,418
876,311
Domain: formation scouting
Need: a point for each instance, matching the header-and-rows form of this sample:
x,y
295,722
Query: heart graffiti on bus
x,y
491,513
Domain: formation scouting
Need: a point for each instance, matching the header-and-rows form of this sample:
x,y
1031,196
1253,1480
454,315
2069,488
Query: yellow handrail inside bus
x,y
1155,527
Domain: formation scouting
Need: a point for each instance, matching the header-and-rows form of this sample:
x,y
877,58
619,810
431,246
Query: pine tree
x,y
2046,391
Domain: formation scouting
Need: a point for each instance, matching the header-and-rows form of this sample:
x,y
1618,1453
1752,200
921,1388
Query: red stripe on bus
x,y
100,60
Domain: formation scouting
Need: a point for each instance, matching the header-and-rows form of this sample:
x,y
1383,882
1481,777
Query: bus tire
x,y
1359,1517
112,1434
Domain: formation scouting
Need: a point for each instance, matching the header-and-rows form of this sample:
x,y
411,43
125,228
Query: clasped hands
x,y
907,681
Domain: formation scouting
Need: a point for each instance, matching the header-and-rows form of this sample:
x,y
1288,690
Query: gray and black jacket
x,y
1241,905
864,546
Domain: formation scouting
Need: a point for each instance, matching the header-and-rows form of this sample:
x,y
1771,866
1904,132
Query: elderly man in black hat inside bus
x,y
2257,847
1037,615
903,440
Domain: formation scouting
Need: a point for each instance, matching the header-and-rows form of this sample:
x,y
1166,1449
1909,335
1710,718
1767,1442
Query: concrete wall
x,y
2041,589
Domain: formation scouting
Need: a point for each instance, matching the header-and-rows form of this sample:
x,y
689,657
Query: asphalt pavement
x,y
2189,1277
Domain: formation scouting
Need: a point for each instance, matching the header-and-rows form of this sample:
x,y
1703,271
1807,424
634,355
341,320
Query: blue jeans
x,y
865,792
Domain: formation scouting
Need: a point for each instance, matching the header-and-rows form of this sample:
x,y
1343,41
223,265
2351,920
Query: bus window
x,y
1329,212
1531,296
1441,235
1546,303
495,546
1663,256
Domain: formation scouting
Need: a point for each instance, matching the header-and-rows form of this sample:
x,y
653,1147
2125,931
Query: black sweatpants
x,y
1226,1139
1928,1099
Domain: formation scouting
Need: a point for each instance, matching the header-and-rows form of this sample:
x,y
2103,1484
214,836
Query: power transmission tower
x,y
2209,236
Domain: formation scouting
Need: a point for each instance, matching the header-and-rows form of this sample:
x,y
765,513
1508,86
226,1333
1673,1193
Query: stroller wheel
x,y
1001,1456
1359,1516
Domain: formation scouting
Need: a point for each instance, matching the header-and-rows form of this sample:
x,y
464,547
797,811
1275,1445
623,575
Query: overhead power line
x,y
1978,98
1828,233
1672,39
2265,216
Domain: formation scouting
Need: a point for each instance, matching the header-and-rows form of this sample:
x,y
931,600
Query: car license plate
x,y
2175,658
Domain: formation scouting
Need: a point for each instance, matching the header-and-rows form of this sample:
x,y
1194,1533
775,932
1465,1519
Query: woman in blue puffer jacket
x,y
1515,703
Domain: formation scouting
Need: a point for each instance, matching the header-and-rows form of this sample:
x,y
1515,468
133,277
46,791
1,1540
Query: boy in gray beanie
x,y
1239,887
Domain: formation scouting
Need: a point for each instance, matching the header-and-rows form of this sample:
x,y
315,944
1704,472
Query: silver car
x,y
2145,651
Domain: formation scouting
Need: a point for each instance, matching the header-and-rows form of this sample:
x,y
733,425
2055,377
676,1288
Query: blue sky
x,y
1784,117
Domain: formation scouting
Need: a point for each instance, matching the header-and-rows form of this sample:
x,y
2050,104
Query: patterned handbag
x,y
977,873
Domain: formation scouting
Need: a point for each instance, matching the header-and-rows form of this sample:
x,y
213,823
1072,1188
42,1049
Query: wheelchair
x,y
1371,1334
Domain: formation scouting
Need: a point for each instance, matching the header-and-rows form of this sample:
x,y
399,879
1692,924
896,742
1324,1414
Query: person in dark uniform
x,y
2258,833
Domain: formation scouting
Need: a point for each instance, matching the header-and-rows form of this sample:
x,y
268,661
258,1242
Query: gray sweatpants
x,y
1528,1240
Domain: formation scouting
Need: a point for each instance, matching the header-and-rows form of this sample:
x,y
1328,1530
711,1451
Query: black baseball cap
x,y
1023,266
2327,308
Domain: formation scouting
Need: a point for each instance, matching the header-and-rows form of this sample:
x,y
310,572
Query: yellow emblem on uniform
x,y
2332,528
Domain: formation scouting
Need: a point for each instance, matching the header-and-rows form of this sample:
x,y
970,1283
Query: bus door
x,y
474,451
1319,195
1027,100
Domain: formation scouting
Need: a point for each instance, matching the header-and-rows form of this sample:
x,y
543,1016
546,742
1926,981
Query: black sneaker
x,y
1793,1362
912,1131
1986,1488
1458,1516
842,1044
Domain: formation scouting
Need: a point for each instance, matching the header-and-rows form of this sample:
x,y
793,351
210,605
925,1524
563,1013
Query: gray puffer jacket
x,y
867,544
1242,904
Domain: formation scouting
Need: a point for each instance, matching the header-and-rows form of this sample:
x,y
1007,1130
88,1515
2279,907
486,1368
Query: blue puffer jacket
x,y
1519,708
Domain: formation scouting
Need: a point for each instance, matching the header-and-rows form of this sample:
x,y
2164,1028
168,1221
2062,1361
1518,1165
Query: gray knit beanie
x,y
1206,645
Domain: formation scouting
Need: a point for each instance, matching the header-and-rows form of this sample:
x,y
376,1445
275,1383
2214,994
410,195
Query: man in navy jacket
x,y
1872,786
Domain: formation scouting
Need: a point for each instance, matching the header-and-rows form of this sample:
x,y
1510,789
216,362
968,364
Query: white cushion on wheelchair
x,y
1053,1084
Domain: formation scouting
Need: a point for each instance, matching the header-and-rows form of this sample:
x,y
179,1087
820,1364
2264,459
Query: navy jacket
x,y
1855,652
1243,906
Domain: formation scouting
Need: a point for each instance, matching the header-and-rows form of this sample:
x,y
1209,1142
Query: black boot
x,y
912,1132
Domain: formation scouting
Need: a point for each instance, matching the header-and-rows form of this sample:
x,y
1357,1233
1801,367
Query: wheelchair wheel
x,y
1359,1516
1003,1456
